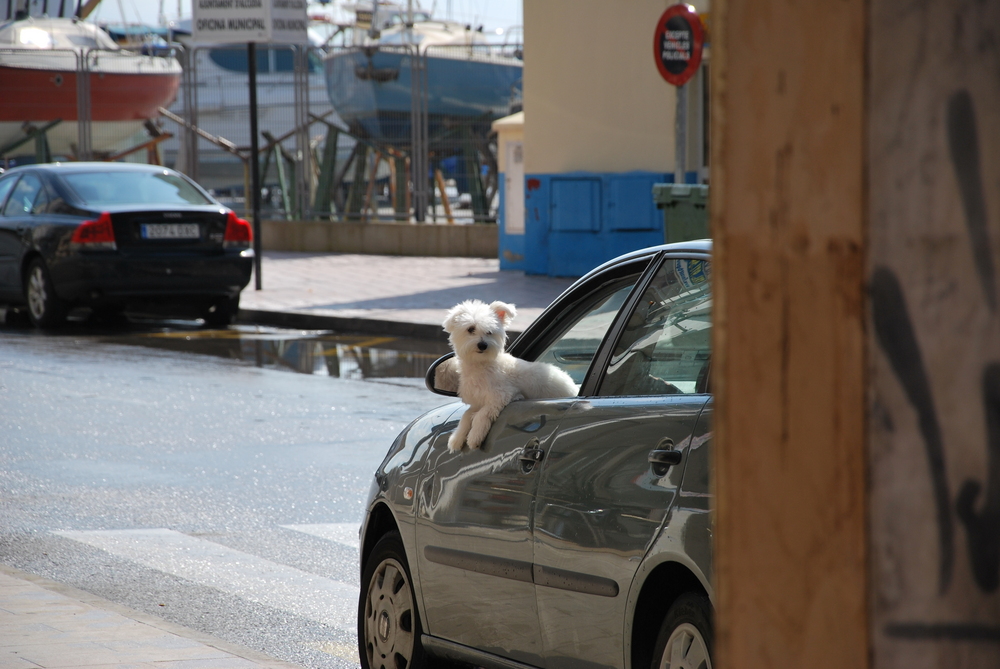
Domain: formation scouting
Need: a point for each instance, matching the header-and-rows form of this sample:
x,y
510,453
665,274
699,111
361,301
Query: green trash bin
x,y
685,211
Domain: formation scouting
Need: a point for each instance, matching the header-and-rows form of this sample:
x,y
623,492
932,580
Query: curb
x,y
305,321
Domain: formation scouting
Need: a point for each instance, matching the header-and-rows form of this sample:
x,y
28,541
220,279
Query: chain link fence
x,y
407,137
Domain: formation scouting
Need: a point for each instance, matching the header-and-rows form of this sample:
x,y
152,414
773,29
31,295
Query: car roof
x,y
692,246
94,166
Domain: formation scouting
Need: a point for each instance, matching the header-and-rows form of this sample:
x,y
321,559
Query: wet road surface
x,y
188,474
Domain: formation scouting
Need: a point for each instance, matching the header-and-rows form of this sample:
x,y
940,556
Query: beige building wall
x,y
593,98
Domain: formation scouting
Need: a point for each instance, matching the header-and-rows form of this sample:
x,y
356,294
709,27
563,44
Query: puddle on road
x,y
303,351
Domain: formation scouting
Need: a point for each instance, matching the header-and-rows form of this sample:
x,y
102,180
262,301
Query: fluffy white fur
x,y
490,378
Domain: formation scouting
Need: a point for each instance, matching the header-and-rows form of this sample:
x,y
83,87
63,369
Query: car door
x,y
474,508
10,242
611,473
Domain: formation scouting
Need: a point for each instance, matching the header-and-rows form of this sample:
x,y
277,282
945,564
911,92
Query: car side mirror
x,y
442,376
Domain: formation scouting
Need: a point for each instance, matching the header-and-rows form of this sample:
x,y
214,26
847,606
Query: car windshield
x,y
101,189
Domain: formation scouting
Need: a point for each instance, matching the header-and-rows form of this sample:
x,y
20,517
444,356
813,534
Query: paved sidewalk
x,y
46,624
396,295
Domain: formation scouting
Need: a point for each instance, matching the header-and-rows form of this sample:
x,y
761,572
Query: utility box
x,y
574,221
685,211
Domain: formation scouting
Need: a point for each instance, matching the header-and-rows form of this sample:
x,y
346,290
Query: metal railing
x,y
407,138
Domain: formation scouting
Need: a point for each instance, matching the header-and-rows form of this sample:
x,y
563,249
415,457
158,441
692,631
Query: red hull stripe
x,y
45,95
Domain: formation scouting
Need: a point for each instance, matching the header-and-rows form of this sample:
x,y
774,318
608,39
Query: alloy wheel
x,y
686,649
37,294
389,617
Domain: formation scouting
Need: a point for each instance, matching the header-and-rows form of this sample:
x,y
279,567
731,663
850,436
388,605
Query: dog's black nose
x,y
482,346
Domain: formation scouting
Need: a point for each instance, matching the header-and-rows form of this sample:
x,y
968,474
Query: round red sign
x,y
677,44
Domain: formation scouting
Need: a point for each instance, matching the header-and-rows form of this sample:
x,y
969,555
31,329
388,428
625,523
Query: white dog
x,y
490,378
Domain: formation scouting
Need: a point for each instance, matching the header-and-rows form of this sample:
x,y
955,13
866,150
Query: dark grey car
x,y
580,534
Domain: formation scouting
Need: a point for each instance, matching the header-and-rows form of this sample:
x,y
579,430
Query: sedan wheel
x,y
388,623
685,638
45,309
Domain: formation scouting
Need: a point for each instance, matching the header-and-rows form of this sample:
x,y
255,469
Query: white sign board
x,y
242,21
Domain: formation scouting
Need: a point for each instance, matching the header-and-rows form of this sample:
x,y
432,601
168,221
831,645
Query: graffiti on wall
x,y
976,506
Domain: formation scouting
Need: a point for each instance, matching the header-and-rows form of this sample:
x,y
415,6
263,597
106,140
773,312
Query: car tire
x,y
685,638
45,308
223,313
388,621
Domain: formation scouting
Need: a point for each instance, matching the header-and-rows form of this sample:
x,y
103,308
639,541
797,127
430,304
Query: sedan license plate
x,y
170,231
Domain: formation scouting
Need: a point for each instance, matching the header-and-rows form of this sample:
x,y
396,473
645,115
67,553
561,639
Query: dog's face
x,y
478,330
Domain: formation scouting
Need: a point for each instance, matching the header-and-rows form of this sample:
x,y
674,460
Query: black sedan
x,y
580,533
116,237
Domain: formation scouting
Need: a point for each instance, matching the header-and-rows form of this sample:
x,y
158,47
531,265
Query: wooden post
x,y
369,189
439,180
788,218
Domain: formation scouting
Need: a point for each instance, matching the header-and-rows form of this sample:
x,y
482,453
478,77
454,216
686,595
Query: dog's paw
x,y
454,443
475,440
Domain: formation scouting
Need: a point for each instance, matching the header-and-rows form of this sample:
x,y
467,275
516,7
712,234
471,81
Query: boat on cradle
x,y
40,58
222,104
469,82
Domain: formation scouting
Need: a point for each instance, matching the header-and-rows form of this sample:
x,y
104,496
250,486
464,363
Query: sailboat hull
x,y
372,91
38,80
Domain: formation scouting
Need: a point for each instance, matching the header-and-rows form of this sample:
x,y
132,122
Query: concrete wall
x,y
473,241
933,256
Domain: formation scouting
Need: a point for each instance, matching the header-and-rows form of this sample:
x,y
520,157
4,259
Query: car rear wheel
x,y
685,638
222,313
388,622
45,309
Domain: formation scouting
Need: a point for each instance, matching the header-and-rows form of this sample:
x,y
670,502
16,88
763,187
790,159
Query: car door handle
x,y
663,457
531,455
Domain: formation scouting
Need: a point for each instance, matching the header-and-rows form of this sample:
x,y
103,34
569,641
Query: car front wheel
x,y
685,638
388,622
45,309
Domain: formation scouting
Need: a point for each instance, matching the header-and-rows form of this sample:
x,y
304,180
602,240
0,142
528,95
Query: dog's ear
x,y
451,319
505,312
459,314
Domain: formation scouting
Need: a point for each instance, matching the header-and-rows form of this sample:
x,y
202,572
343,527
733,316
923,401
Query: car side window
x,y
576,347
665,346
42,201
22,198
5,186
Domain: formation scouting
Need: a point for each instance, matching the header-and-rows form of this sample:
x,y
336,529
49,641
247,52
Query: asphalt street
x,y
206,490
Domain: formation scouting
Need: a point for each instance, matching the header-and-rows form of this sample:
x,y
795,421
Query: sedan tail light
x,y
239,234
96,234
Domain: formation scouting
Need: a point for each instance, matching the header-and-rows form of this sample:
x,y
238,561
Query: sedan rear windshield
x,y
101,189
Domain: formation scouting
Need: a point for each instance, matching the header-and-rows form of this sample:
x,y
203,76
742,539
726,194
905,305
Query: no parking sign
x,y
677,44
